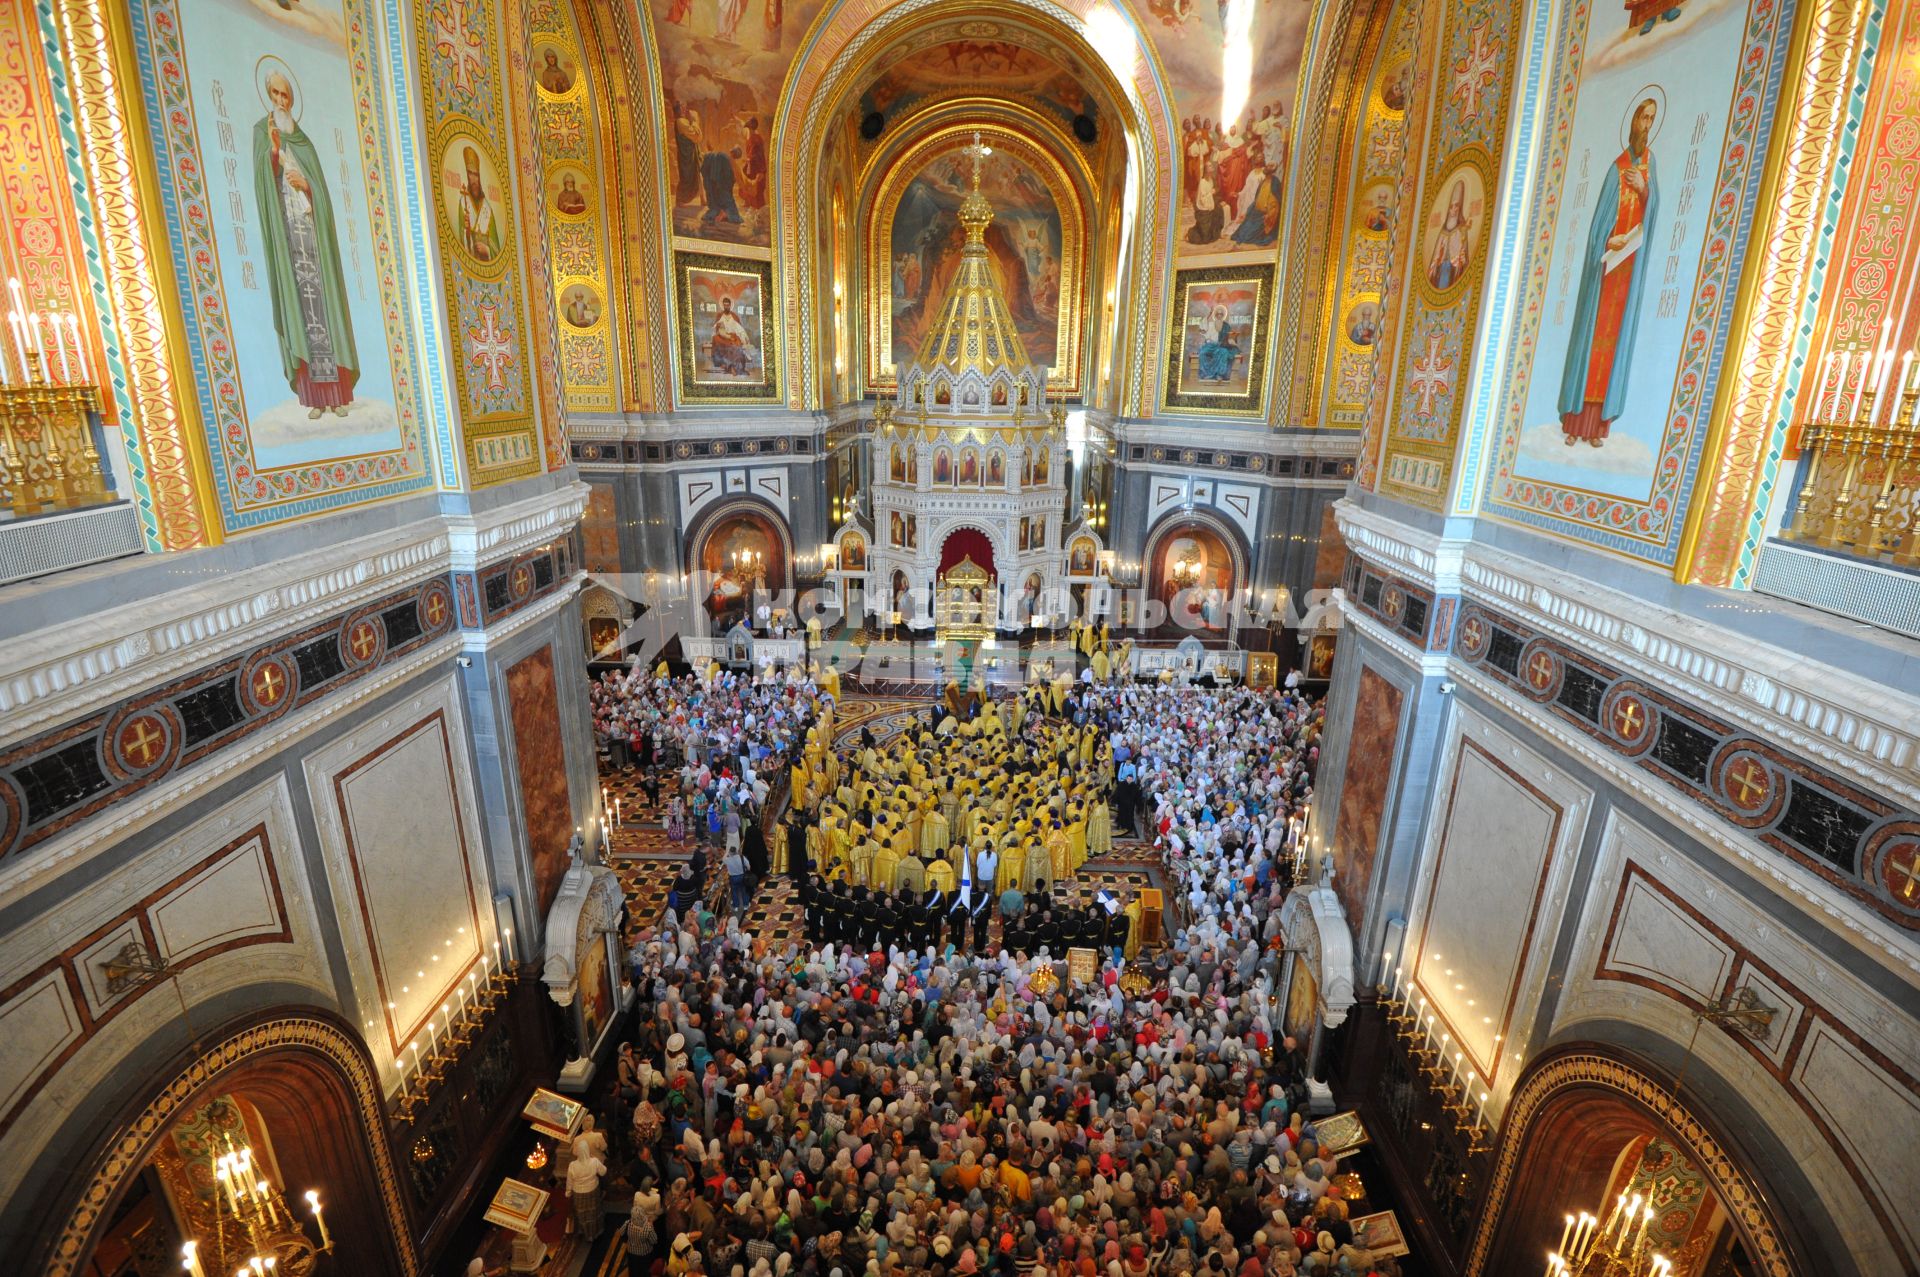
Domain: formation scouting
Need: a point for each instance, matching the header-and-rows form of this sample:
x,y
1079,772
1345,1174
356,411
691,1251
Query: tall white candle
x,y
19,328
1823,386
39,345
66,364
80,350
1882,366
1860,384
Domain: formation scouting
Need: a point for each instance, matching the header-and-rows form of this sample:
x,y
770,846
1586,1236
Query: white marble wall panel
x,y
226,902
394,804
1492,886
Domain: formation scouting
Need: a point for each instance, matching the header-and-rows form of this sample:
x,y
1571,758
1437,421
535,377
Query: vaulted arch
x,y
1118,57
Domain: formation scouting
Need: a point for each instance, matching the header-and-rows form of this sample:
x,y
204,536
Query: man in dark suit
x,y
935,913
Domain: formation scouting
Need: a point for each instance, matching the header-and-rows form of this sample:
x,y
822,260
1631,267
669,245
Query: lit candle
x,y
508,935
1565,1232
66,366
433,1041
190,1259
1882,366
313,1200
1906,362
80,349
413,1049
1860,383
19,342
39,346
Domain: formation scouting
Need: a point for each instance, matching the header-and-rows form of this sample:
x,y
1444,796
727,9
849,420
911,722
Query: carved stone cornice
x,y
1864,728
59,672
476,540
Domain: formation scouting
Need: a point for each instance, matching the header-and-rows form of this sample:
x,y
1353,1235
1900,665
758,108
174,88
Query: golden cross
x,y
141,743
979,151
266,684
520,578
1909,870
436,608
1540,669
1626,719
1751,777
362,640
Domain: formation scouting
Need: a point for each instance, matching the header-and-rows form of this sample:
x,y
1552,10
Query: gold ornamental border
x,y
1728,506
1063,375
1423,108
587,159
1343,294
124,1160
1743,1205
109,118
1341,99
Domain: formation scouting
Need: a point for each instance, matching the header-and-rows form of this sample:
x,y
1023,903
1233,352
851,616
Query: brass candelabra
x,y
46,441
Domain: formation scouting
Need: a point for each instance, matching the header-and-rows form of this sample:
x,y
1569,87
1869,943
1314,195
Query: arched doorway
x,y
740,555
1582,1130
967,543
1194,571
302,1092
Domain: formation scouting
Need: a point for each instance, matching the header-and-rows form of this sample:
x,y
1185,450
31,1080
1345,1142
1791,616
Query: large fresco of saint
x,y
284,240
723,62
1024,243
1233,68
1628,243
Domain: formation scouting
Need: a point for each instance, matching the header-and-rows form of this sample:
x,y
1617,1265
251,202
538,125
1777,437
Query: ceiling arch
x,y
1105,39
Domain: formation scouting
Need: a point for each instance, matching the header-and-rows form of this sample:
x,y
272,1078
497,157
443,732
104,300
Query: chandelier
x,y
1186,570
1617,1248
255,1234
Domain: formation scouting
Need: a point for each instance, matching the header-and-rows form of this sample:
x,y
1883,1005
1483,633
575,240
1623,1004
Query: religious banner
x,y
1083,965
1217,350
727,354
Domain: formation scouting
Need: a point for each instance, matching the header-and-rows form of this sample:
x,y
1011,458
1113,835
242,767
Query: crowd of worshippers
x,y
832,1108
708,746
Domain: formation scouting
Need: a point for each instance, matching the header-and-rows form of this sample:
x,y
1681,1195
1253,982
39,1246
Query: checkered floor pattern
x,y
775,915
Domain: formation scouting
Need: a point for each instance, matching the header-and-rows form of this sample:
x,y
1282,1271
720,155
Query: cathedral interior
x,y
1060,638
